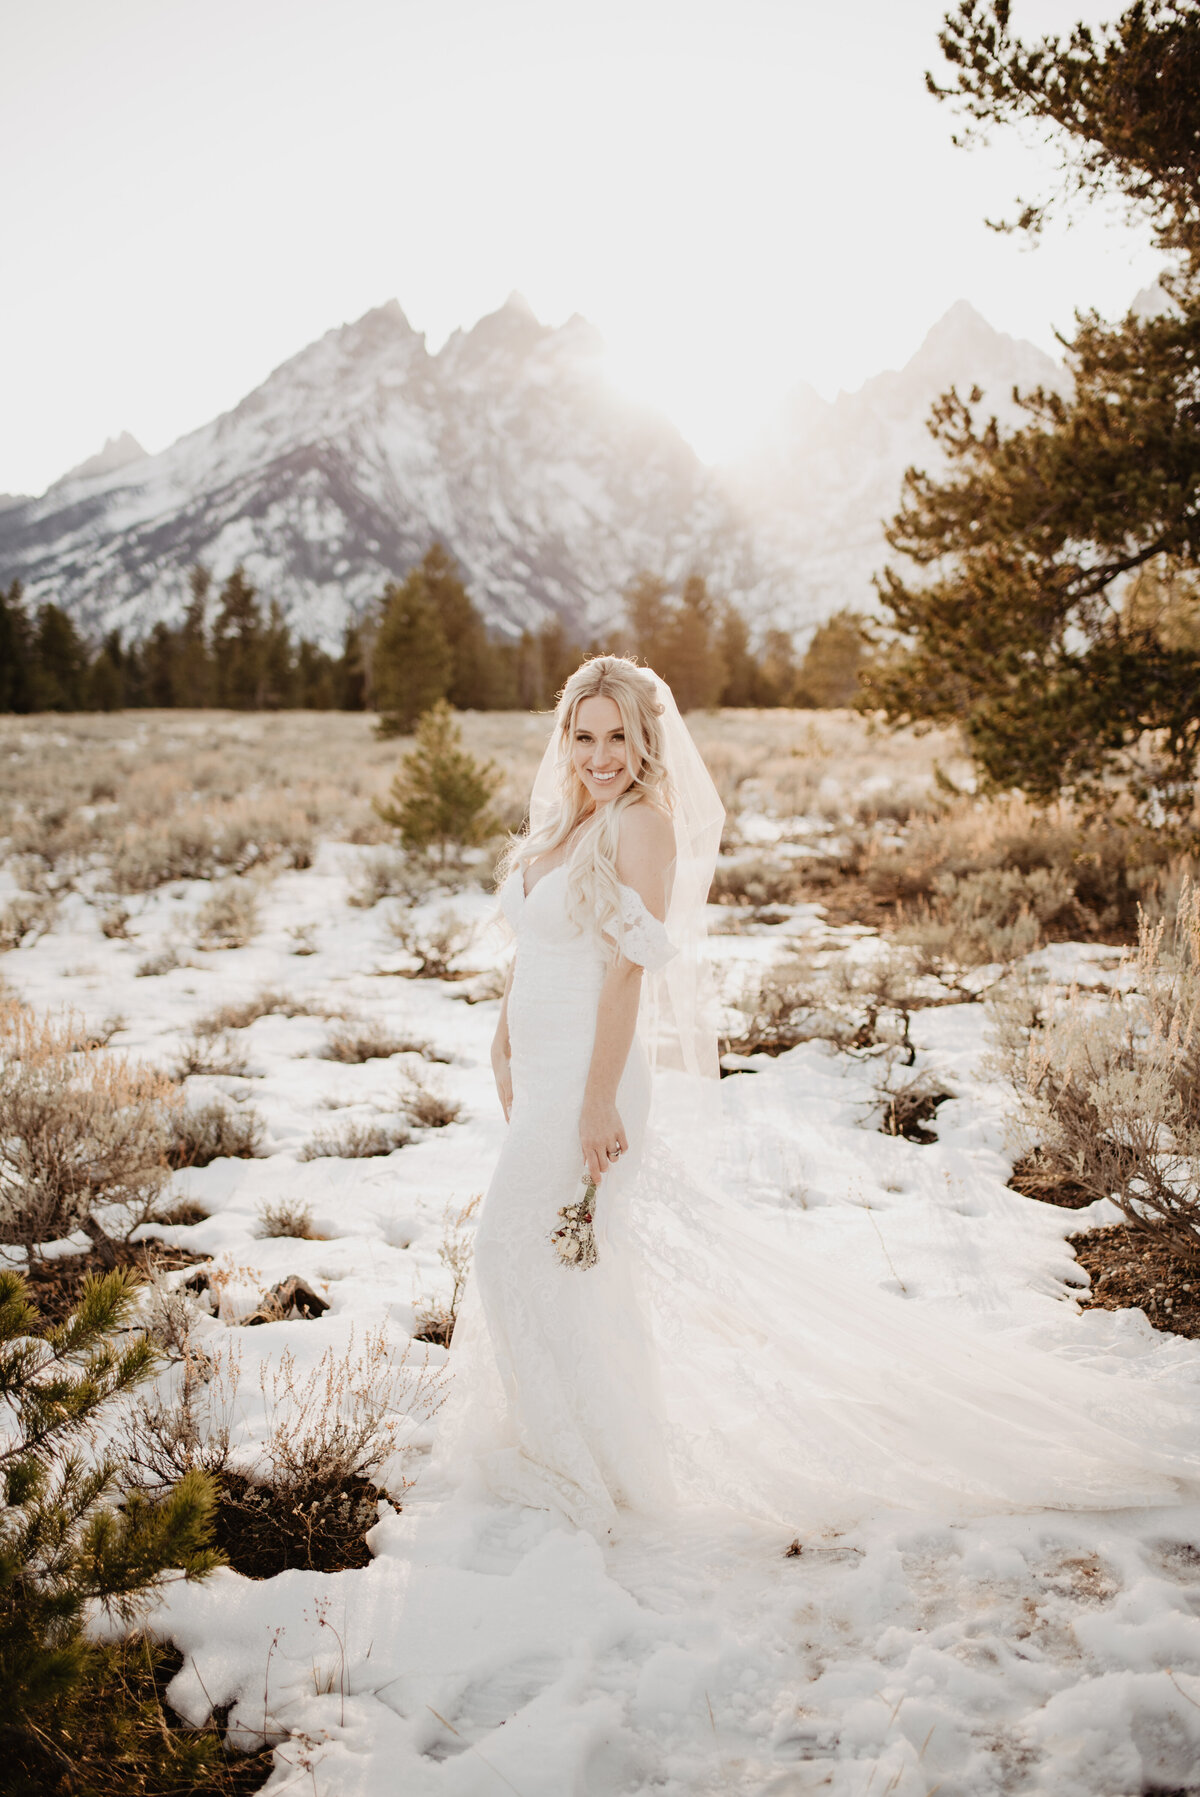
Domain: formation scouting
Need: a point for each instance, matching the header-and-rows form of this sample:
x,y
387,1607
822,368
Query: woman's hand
x,y
502,1069
601,1131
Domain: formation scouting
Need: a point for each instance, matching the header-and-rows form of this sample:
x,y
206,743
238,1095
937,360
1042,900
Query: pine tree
x,y
195,678
1014,621
238,644
16,651
160,667
106,685
471,682
410,661
777,670
59,661
440,797
692,663
650,616
742,684
277,669
828,676
68,1536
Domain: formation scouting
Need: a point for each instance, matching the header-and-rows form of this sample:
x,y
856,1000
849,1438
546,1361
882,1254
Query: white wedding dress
x,y
700,1362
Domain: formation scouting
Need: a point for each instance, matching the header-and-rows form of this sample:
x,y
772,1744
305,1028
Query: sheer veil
x,y
678,1021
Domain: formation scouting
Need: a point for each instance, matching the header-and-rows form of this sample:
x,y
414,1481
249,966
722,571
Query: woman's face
x,y
598,750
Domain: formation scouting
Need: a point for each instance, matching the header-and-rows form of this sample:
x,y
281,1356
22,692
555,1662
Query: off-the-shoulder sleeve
x,y
643,938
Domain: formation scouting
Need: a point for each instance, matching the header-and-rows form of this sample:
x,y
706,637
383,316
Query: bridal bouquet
x,y
575,1242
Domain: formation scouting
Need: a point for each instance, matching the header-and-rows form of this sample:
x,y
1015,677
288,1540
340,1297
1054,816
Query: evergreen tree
x,y
650,617
68,1537
410,661
352,668
828,676
16,652
777,670
106,685
742,683
59,663
160,667
440,797
195,676
277,674
316,678
692,664
238,644
471,682
1015,621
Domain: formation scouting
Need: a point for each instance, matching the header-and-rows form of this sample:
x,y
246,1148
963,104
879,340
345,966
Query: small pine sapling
x,y
439,800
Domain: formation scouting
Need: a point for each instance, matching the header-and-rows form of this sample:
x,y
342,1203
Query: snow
x,y
488,1649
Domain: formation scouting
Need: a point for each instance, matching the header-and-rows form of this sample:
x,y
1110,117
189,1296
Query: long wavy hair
x,y
593,889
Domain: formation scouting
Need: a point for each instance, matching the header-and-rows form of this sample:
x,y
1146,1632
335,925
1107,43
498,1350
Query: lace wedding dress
x,y
701,1361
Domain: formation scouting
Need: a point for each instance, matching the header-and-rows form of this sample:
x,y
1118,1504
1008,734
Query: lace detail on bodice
x,y
644,938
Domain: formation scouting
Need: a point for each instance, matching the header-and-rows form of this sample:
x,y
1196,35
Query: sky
x,y
740,194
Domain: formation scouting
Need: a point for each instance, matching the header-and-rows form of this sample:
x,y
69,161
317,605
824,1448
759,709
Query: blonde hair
x,y
593,888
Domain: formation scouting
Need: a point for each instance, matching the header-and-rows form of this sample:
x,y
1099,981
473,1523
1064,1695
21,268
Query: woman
x,y
698,1361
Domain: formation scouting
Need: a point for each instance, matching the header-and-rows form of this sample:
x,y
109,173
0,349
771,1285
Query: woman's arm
x,y
644,854
502,1050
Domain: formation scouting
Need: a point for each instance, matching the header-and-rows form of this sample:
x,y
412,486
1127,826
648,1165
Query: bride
x,y
699,1361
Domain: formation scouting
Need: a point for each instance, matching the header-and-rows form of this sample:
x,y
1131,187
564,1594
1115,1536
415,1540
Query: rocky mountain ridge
x,y
511,447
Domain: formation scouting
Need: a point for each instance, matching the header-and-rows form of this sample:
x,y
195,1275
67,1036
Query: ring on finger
x,y
614,1154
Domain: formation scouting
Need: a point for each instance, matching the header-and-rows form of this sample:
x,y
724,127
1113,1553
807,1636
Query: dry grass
x,y
208,1051
229,917
82,1130
427,1106
216,1131
1110,1084
240,1014
282,1217
437,1316
25,918
351,1141
434,947
354,1043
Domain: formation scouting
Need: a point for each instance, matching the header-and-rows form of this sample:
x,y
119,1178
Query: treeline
x,y
423,640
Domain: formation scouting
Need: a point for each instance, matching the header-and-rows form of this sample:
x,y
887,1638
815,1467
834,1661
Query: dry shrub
x,y
1102,868
212,1132
268,1003
389,873
997,915
165,961
425,1105
756,881
436,1317
858,1007
1111,1084
210,1051
283,1217
434,946
303,1494
909,1106
115,923
80,1129
25,918
144,858
355,1043
229,917
355,1142
302,937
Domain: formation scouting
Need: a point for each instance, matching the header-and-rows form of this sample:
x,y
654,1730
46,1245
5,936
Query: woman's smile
x,y
598,749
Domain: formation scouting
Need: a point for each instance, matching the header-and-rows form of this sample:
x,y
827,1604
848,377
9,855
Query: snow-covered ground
x,y
492,1650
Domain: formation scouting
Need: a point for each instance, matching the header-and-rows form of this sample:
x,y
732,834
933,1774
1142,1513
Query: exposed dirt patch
x,y
910,1111
55,1285
263,1531
1033,1179
1128,1272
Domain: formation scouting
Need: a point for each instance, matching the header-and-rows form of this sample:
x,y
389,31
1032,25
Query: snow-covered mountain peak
x,y
118,452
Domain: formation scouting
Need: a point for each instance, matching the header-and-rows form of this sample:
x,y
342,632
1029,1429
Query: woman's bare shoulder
x,y
647,829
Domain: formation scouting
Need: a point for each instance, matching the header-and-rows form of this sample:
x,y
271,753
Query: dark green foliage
x,y
68,1535
411,662
1119,99
16,652
693,667
1019,626
59,663
828,675
472,681
440,797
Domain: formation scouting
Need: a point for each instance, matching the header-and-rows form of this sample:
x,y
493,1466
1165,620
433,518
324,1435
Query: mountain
x,y
511,447
118,452
827,474
338,471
